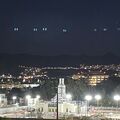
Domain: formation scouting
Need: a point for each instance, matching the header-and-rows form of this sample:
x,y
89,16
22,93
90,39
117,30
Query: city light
x,y
28,96
88,97
38,96
117,97
68,96
98,97
14,97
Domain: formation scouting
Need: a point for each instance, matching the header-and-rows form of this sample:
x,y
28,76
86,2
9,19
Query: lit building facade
x,y
3,100
65,104
92,78
96,78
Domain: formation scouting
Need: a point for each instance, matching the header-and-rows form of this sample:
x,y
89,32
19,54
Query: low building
x,y
19,85
63,107
92,78
95,78
3,100
65,104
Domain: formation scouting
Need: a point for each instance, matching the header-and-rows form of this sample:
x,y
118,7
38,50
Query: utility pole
x,y
78,104
57,105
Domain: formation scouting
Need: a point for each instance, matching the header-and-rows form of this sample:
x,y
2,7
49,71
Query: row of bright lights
x,y
98,97
27,97
89,97
64,30
36,29
68,96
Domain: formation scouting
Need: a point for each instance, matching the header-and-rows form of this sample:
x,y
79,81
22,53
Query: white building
x,y
65,104
3,100
50,108
62,96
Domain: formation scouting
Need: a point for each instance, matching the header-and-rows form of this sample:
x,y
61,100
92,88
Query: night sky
x,y
55,27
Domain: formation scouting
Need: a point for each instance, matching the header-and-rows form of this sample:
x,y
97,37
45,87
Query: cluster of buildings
x,y
92,74
33,76
29,77
61,101
86,67
92,78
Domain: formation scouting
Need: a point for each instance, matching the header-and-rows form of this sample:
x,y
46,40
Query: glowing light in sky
x,y
35,29
104,29
16,29
64,30
95,29
44,29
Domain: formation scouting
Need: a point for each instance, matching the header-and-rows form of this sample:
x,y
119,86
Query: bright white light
x,y
38,80
97,97
68,96
95,29
16,29
14,97
44,29
104,29
117,97
17,103
118,29
88,97
35,29
28,96
37,96
3,75
64,30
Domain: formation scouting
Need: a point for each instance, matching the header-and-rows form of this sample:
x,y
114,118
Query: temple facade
x,y
62,96
65,105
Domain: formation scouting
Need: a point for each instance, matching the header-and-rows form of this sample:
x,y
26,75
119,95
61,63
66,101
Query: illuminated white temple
x,y
61,92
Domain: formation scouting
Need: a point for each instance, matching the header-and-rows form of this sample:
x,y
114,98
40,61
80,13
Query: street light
x,y
28,97
98,97
117,98
68,96
88,98
38,96
14,99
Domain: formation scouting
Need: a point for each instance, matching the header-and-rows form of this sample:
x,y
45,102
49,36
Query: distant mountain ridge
x,y
60,60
